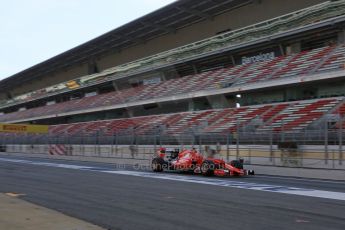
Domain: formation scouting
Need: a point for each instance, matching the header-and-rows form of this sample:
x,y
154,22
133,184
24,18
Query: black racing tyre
x,y
207,168
158,164
251,172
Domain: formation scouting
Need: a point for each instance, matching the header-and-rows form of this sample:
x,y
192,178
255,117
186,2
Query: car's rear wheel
x,y
207,168
157,164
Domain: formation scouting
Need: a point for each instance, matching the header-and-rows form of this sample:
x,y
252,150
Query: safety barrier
x,y
306,156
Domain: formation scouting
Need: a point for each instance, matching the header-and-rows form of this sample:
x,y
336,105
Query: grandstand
x,y
282,74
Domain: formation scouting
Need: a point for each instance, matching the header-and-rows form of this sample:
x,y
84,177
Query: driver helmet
x,y
161,152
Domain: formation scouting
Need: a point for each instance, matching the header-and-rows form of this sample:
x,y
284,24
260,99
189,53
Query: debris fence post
x,y
237,140
271,144
228,147
116,143
200,144
112,144
341,141
154,143
82,149
326,141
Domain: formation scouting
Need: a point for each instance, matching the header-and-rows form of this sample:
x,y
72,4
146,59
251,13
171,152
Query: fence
x,y
316,149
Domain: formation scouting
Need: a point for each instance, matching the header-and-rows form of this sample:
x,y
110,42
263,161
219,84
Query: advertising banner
x,y
22,128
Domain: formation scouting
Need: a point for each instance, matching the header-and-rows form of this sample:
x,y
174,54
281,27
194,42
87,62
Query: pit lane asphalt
x,y
126,202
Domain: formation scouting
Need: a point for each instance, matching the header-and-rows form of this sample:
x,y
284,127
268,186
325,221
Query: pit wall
x,y
262,155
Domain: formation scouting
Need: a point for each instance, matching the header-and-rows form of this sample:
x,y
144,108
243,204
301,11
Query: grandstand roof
x,y
168,19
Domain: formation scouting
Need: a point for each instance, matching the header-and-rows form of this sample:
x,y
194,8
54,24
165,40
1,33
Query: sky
x,y
33,31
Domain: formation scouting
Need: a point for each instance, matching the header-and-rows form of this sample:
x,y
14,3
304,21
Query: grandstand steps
x,y
126,95
277,66
324,58
248,72
180,125
195,121
151,126
247,69
299,115
212,80
201,80
316,59
273,67
218,78
241,120
276,114
148,91
57,129
305,62
288,65
95,128
339,112
114,97
238,118
226,77
302,63
174,86
120,125
267,69
173,119
218,116
328,12
252,114
217,121
335,61
341,109
74,129
194,83
295,116
258,112
162,89
270,114
287,116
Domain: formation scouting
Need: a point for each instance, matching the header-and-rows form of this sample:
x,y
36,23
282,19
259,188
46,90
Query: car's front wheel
x,y
207,168
251,172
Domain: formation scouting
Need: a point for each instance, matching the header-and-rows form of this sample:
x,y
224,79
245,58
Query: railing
x,y
309,149
306,137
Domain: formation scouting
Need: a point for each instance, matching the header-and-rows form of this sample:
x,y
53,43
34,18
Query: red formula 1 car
x,y
192,161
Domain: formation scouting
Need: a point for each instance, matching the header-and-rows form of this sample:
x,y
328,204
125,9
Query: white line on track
x,y
238,184
197,180
301,179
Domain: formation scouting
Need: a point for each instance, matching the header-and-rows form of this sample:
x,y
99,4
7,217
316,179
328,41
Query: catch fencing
x,y
307,149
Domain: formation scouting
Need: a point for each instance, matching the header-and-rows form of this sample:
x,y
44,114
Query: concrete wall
x,y
258,158
306,157
258,11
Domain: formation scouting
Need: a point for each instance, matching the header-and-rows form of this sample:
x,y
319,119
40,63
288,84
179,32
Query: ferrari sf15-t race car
x,y
192,161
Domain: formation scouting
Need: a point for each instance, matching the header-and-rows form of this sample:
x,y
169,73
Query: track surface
x,y
116,201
